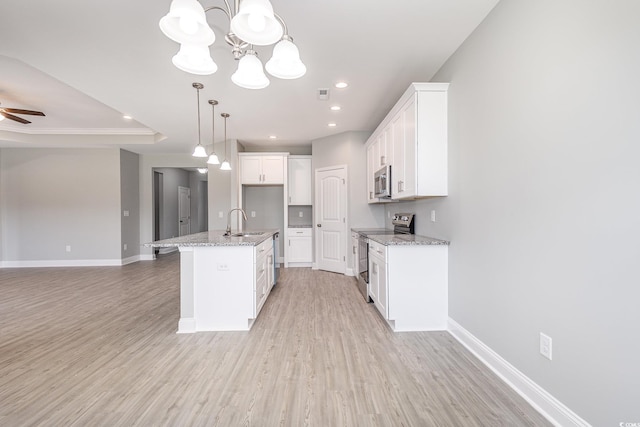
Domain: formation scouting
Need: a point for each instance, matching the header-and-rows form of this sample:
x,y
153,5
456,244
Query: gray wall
x,y
172,178
149,162
348,149
223,187
129,201
52,198
199,200
543,211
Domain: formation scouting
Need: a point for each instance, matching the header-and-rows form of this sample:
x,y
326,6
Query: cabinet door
x,y
371,169
374,278
250,169
300,249
299,180
382,303
386,147
273,170
410,148
398,180
354,255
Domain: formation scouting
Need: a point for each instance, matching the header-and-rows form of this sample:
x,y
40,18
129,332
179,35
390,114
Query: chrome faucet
x,y
228,232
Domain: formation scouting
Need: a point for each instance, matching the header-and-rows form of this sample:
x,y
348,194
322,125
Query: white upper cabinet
x,y
415,144
299,180
265,169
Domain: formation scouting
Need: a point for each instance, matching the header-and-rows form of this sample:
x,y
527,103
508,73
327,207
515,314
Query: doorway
x,y
331,218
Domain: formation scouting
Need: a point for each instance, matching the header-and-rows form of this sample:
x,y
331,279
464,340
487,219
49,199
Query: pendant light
x,y
256,23
225,166
285,62
199,151
213,158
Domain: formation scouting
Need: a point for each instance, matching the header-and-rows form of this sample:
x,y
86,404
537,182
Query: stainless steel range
x,y
403,223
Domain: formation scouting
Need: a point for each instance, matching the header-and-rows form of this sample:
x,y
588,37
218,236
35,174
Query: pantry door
x,y
331,218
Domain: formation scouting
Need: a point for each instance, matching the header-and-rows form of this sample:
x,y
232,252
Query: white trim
x,y
130,260
80,131
349,272
550,407
147,257
63,263
186,325
299,264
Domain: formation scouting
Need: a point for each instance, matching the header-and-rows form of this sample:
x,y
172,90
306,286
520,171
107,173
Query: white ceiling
x,y
85,64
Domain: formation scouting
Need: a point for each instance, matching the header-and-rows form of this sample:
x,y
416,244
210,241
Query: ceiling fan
x,y
9,114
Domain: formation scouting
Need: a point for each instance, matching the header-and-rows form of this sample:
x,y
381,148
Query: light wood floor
x,y
97,347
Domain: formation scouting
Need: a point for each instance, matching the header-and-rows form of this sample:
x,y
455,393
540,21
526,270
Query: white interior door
x,y
184,211
331,218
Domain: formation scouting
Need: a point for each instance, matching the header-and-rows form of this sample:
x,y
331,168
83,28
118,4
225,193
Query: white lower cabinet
x,y
409,285
378,277
264,274
300,245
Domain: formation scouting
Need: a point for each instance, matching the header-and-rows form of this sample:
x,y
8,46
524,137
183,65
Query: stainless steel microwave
x,y
382,182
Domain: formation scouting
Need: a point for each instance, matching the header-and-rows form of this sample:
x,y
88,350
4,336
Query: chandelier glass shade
x,y
251,22
285,62
250,74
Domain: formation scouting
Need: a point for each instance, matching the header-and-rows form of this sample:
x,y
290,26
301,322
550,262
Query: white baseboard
x,y
299,264
186,325
349,272
147,257
71,263
130,260
63,263
550,407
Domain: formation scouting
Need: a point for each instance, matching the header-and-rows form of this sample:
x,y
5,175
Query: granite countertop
x,y
384,238
214,238
300,226
405,240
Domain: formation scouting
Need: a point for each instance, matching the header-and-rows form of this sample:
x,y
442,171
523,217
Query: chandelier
x,y
252,22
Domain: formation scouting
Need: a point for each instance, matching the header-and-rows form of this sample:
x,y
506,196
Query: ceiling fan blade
x,y
19,111
15,118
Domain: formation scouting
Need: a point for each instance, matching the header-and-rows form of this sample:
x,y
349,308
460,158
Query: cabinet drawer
x,y
263,248
377,249
300,232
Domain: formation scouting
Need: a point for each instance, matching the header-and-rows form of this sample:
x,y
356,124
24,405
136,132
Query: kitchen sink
x,y
247,234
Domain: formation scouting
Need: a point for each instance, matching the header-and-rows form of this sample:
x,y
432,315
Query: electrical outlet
x,y
125,213
546,345
220,214
125,246
68,248
300,214
223,267
253,214
433,216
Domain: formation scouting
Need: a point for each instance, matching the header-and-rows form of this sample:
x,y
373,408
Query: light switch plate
x,y
300,214
253,214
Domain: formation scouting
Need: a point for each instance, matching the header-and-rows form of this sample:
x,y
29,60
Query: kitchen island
x,y
224,280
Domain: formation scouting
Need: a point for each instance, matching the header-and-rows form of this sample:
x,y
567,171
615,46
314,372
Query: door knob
x,y
319,225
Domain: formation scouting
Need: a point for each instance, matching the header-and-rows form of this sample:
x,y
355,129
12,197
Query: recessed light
x,y
341,85
272,137
332,125
335,108
203,170
127,117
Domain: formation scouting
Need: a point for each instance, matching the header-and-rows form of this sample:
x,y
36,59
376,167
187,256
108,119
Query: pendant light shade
x,y
194,59
213,158
250,74
285,62
225,166
256,23
186,23
199,151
